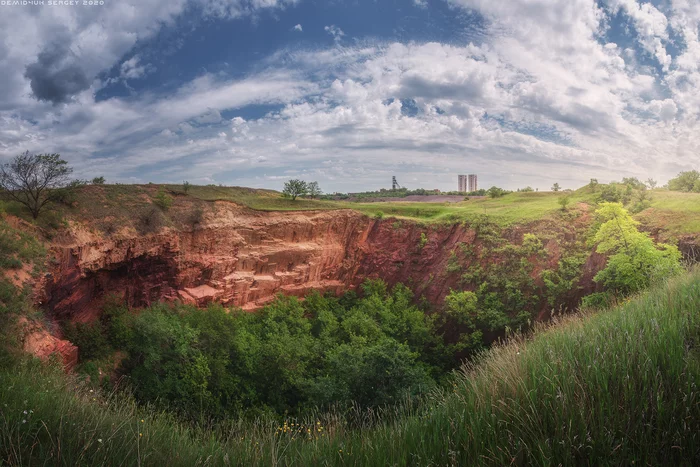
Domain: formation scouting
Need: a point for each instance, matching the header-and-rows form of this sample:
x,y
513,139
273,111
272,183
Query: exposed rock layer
x,y
241,257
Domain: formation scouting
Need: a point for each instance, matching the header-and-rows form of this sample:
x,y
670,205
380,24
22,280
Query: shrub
x,y
532,244
379,215
453,264
98,181
109,227
195,217
163,200
67,195
564,201
90,339
635,260
150,221
598,300
423,241
610,193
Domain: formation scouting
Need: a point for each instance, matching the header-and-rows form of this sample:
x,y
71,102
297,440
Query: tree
x,y
633,182
556,187
294,188
98,181
495,192
313,190
685,181
635,260
564,201
651,183
593,185
186,186
29,179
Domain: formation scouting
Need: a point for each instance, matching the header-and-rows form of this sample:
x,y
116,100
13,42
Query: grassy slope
x,y
514,207
676,213
616,387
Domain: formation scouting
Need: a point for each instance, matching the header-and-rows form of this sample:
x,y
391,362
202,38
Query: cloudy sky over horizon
x,y
349,93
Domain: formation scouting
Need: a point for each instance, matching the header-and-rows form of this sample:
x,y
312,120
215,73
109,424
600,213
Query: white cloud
x,y
297,28
133,69
334,31
651,26
545,98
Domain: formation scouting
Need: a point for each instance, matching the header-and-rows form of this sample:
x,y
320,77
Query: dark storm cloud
x,y
56,76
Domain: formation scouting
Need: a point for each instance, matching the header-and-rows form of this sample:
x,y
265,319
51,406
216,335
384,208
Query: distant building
x,y
472,184
462,183
467,183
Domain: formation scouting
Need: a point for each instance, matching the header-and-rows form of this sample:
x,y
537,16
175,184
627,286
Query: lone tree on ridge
x,y
294,188
313,190
30,178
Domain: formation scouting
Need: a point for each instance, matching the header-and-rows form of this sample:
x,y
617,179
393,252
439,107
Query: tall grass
x,y
618,387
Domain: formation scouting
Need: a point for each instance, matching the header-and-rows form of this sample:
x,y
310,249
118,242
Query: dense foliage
x,y
686,181
618,387
635,261
288,357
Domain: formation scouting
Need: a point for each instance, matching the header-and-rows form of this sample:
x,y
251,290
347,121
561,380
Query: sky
x,y
350,93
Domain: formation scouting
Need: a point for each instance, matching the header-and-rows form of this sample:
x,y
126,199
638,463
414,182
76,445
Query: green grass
x,y
618,387
258,199
675,212
511,208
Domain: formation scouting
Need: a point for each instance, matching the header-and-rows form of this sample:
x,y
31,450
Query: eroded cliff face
x,y
243,258
234,256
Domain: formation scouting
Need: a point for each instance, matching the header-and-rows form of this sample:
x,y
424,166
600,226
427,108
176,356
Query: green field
x,y
617,387
675,212
511,208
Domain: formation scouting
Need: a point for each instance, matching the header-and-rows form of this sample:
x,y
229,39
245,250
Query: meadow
x,y
675,213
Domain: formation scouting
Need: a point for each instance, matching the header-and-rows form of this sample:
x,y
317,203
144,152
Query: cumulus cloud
x,y
133,69
237,8
651,26
297,28
56,76
546,96
334,31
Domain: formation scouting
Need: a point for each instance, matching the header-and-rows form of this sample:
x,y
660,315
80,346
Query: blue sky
x,y
349,93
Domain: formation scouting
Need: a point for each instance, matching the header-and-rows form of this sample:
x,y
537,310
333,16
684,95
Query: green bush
x,y
90,339
422,241
163,200
635,261
598,300
686,181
